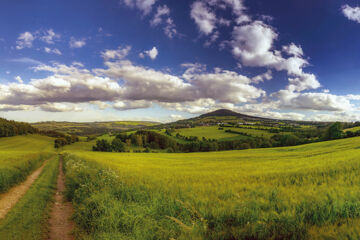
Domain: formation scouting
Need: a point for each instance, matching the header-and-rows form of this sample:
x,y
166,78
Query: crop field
x,y
21,155
304,192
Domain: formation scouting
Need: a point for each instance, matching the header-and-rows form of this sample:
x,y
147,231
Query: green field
x,y
211,132
304,192
354,129
28,219
20,155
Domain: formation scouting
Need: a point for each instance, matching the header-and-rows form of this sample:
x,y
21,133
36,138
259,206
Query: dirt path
x,y
61,226
10,198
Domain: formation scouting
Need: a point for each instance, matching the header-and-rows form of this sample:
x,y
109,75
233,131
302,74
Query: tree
x,y
334,131
102,146
117,145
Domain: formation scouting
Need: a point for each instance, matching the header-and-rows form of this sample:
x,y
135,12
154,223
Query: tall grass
x,y
28,219
15,169
20,155
281,193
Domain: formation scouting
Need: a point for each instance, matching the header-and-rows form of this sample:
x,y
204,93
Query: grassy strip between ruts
x,y
27,220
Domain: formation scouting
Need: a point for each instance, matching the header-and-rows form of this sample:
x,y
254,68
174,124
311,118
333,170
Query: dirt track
x,y
61,226
10,198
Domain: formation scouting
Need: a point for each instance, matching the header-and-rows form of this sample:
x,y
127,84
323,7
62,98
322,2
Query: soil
x,y
61,225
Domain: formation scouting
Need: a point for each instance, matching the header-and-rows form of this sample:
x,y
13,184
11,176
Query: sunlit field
x,y
304,192
21,155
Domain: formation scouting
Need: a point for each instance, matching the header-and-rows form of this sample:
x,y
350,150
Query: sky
x,y
163,60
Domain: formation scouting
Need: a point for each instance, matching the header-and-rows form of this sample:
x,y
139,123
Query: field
x,y
91,128
354,129
304,192
21,155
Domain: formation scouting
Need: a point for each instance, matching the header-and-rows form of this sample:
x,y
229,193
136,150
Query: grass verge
x,y
28,219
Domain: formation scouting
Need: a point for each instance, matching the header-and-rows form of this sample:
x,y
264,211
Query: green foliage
x,y
102,145
117,145
12,128
28,218
334,131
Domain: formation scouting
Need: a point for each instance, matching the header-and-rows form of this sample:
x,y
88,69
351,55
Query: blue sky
x,y
166,60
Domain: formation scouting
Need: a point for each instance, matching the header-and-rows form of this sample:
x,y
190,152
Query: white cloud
x,y
119,53
203,17
176,117
162,17
313,101
152,53
8,108
162,11
60,107
74,43
127,105
253,45
262,77
50,36
55,50
351,13
143,5
18,79
25,40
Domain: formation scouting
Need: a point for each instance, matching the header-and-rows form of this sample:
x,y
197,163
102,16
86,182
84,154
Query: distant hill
x,y
90,128
229,113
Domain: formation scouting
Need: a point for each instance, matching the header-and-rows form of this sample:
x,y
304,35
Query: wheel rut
x,y
61,225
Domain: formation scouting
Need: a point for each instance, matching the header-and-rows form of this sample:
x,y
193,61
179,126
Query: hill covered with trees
x,y
12,128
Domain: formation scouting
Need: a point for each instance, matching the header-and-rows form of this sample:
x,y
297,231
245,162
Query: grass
x,y
304,192
19,156
354,129
28,218
211,132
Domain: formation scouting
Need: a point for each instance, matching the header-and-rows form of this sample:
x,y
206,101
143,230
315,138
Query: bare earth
x,y
61,226
10,198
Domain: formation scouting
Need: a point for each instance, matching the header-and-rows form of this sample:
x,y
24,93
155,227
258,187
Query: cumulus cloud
x,y
55,50
77,43
253,45
60,107
152,53
143,5
119,53
351,13
313,101
203,17
25,40
127,105
9,108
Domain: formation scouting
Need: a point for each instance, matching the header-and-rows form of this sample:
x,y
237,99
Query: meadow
x,y
304,192
28,219
21,155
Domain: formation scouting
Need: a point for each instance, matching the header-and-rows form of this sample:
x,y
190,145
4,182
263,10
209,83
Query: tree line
x,y
10,128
